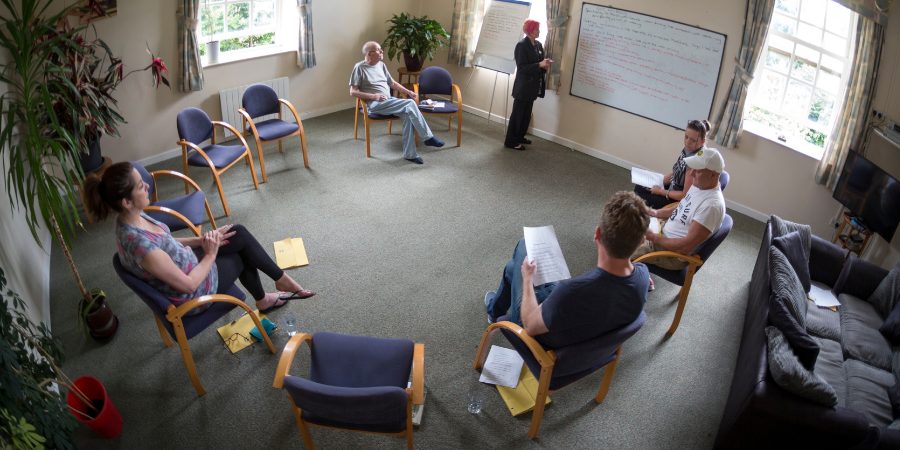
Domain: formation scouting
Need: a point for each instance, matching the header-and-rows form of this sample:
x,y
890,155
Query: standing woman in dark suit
x,y
531,67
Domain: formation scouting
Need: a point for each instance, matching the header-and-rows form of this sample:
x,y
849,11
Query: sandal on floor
x,y
301,294
275,305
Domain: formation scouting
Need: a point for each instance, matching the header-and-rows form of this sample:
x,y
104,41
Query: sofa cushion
x,y
780,227
894,397
867,392
786,287
830,366
860,338
884,297
800,341
824,323
791,375
791,246
890,329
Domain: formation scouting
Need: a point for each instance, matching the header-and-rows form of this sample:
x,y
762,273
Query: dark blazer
x,y
530,81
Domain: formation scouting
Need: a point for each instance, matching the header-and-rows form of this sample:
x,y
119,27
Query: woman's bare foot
x,y
270,301
287,284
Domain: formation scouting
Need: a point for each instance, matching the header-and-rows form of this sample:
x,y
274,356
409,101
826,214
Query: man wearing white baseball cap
x,y
697,215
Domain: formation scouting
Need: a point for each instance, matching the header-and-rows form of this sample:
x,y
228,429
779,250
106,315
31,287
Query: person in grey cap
x,y
695,218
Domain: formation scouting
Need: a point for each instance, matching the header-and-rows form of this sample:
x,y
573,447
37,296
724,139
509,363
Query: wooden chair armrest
x,y
233,130
418,374
291,108
179,175
287,357
458,93
162,209
177,312
545,358
185,144
415,87
247,120
693,260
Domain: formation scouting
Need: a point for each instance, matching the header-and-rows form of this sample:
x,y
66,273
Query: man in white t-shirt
x,y
697,216
371,82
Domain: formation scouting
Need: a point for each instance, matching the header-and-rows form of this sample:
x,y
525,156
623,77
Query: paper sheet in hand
x,y
522,398
654,225
822,296
290,253
646,178
542,246
502,367
236,333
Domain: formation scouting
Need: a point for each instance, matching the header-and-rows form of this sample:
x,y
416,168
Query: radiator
x,y
230,99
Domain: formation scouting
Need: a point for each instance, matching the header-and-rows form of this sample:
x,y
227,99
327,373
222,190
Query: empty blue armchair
x,y
178,323
180,212
195,128
557,368
261,100
685,276
436,80
355,382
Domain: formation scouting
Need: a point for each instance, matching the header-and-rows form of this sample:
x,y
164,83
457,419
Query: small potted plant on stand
x,y
416,38
210,16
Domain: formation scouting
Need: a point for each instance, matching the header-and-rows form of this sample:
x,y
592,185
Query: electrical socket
x,y
877,114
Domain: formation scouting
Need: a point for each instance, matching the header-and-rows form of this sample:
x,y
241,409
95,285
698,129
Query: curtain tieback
x,y
559,21
742,73
189,22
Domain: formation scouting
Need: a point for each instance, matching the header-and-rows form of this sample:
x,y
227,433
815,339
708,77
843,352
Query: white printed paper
x,y
654,225
502,366
822,296
646,178
543,248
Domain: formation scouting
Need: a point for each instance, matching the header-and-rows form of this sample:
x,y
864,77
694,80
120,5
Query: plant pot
x,y
212,52
101,415
413,64
93,159
98,316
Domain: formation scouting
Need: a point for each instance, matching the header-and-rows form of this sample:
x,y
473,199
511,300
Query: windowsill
x,y
801,147
246,54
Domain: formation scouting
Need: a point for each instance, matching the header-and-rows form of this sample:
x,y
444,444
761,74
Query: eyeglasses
x,y
234,340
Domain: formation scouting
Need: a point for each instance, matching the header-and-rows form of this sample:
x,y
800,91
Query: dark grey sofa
x,y
759,413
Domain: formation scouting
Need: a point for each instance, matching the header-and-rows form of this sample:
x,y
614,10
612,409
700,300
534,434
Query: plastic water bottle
x,y
475,402
290,325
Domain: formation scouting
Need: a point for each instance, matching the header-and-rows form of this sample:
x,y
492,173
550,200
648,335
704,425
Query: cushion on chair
x,y
830,366
823,323
790,244
360,361
221,155
192,206
378,409
803,345
260,100
867,392
373,116
448,108
786,287
194,125
791,375
860,338
272,129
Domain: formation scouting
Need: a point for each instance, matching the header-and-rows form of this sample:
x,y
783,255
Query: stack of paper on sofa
x,y
808,375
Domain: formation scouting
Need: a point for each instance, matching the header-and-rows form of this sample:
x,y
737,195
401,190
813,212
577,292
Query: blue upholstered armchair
x,y
362,109
178,323
436,80
685,277
195,128
557,368
355,382
180,212
261,100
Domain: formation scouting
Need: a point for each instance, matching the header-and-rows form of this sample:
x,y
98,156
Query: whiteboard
x,y
655,68
501,29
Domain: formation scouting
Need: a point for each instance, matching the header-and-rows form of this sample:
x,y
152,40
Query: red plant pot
x,y
101,415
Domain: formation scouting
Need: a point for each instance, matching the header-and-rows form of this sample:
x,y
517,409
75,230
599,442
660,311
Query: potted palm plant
x,y
415,38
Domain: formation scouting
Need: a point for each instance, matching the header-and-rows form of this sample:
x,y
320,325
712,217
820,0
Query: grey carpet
x,y
398,249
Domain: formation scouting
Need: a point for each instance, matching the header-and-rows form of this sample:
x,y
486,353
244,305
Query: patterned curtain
x,y
467,18
866,8
555,42
728,120
306,49
851,123
189,68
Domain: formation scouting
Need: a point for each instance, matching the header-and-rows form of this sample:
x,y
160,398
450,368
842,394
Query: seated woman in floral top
x,y
183,268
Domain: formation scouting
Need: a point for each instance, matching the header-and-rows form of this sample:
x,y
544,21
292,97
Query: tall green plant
x,y
418,36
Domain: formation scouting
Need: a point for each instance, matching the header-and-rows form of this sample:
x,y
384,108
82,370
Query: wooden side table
x,y
852,235
410,77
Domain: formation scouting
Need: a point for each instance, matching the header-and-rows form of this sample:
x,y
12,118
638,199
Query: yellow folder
x,y
236,333
521,399
290,253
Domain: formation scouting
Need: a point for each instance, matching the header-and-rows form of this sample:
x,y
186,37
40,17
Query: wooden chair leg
x,y
188,357
482,347
356,121
459,129
249,158
163,333
304,430
221,192
280,146
538,413
368,138
212,220
262,161
608,373
409,423
303,148
682,300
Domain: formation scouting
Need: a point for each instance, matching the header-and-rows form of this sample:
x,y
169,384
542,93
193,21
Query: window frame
x,y
284,27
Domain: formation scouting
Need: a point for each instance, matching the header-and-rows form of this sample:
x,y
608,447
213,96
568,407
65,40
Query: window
x,y
799,83
240,24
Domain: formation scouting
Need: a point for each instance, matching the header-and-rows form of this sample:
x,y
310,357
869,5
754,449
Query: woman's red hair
x,y
530,25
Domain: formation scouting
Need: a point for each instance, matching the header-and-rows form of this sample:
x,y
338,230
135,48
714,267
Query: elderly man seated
x,y
371,82
697,215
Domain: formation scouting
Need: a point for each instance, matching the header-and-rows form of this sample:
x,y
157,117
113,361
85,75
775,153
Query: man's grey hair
x,y
365,47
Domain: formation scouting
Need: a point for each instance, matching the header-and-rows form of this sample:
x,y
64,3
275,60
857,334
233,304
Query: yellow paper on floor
x,y
522,398
236,333
290,253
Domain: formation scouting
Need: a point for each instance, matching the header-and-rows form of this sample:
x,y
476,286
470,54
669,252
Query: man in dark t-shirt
x,y
602,299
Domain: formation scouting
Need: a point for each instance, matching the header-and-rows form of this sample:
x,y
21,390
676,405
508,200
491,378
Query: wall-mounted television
x,y
870,194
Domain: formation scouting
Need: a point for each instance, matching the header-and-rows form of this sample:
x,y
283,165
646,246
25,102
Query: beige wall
x,y
766,177
340,29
